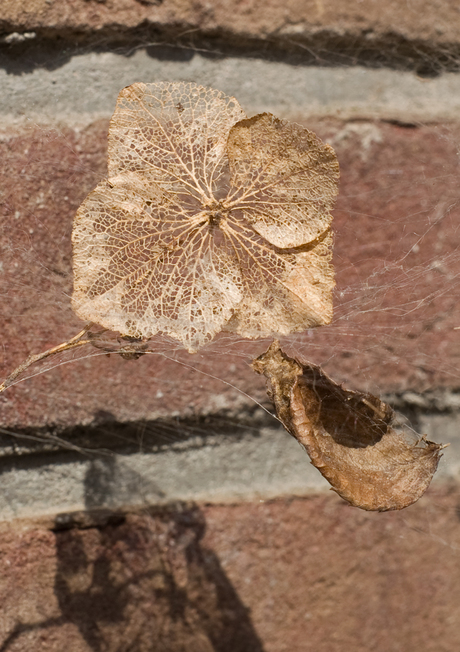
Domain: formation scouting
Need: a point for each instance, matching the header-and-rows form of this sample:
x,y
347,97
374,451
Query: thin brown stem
x,y
73,343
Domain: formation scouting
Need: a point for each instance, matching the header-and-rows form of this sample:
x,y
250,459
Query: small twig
x,y
32,359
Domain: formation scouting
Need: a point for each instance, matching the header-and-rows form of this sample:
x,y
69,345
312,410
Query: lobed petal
x,y
284,178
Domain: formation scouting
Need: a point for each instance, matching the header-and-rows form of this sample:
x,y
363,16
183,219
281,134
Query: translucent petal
x,y
208,221
285,178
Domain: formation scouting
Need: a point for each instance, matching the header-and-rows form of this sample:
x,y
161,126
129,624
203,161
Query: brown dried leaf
x,y
208,221
349,435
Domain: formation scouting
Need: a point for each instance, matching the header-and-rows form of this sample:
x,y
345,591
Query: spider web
x,y
396,258
393,331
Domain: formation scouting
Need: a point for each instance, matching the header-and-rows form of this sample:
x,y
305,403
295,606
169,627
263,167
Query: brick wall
x,y
153,504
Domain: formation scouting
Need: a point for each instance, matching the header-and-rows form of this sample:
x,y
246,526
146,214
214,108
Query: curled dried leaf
x,y
349,435
208,221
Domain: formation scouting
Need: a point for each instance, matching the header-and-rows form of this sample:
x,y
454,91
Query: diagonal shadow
x,y
143,583
148,584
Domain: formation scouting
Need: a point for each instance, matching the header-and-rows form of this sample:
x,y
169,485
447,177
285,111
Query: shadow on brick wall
x,y
140,584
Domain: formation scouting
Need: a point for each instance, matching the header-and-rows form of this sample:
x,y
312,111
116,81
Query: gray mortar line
x,y
85,88
263,467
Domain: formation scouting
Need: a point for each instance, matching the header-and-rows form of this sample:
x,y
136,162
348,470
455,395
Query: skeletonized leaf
x,y
285,178
349,435
208,221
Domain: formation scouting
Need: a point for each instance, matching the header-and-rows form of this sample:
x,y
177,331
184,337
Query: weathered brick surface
x,y
281,576
143,584
292,19
396,257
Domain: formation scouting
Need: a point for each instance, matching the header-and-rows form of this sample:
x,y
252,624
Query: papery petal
x,y
140,269
283,177
173,134
282,292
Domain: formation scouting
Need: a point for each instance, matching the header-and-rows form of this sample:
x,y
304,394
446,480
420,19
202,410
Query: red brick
x,y
437,21
280,576
396,257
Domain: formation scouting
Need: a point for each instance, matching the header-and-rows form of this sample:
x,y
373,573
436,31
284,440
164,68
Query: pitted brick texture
x,y
290,20
396,258
276,576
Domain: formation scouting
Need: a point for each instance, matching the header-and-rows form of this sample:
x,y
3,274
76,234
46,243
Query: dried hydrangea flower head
x,y
208,221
